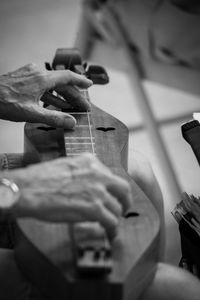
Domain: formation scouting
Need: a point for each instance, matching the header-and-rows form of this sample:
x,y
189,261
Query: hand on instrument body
x,y
72,190
21,90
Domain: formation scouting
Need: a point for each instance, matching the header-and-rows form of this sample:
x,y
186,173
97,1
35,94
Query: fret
x,y
80,131
78,137
75,154
80,113
72,140
83,143
80,147
89,122
68,153
84,125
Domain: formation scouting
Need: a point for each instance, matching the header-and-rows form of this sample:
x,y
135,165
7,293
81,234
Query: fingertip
x,y
86,83
69,122
90,82
82,81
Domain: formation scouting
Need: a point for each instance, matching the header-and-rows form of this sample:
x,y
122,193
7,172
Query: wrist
x,y
15,184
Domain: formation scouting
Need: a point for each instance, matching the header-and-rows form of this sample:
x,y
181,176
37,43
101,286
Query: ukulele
x,y
50,255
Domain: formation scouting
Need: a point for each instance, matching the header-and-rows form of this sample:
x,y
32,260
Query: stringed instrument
x,y
47,253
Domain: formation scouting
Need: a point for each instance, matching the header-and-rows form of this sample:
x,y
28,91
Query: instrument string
x,y
89,121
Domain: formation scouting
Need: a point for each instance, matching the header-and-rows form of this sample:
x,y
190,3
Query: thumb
x,y
54,118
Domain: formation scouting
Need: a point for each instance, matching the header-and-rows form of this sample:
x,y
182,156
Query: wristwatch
x,y
9,193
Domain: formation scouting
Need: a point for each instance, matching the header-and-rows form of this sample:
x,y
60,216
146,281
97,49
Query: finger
x,y
98,191
51,99
96,212
121,190
108,221
83,232
111,203
63,77
51,117
75,97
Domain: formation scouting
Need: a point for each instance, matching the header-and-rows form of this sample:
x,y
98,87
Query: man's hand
x,y
72,190
21,90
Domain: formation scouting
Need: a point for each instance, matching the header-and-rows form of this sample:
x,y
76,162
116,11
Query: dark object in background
x,y
190,247
189,6
191,134
190,240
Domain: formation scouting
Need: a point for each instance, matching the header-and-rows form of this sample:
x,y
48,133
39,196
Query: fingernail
x,y
69,122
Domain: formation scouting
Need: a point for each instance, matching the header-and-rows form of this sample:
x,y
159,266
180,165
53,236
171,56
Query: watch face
x,y
7,197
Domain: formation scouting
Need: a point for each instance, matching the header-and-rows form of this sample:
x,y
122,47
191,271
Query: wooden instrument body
x,y
43,250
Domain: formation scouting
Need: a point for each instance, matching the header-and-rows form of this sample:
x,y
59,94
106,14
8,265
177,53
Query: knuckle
x,y
31,66
100,190
69,73
95,169
97,207
106,198
39,73
91,162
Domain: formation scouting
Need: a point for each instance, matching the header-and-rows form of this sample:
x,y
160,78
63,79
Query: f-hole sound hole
x,y
105,129
46,128
131,214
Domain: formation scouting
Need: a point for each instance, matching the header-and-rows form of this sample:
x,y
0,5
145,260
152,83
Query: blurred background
x,y
166,35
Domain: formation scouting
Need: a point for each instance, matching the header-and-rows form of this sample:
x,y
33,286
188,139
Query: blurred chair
x,y
160,41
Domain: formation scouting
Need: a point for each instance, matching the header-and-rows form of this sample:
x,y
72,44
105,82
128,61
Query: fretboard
x,y
81,140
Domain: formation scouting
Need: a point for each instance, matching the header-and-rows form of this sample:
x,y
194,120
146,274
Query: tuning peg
x,y
97,74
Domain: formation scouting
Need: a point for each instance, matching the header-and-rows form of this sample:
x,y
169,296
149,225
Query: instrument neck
x,y
82,139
